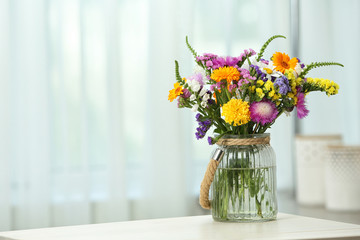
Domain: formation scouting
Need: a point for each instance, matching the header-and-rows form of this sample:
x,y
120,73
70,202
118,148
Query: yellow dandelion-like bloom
x,y
225,73
236,112
174,93
282,62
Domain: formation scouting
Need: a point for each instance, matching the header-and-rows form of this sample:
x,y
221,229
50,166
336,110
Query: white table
x,y
200,227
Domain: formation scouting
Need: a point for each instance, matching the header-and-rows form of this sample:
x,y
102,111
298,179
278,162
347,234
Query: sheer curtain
x,y
329,33
87,133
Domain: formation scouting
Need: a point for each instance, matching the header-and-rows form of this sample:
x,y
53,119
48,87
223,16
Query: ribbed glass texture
x,y
244,186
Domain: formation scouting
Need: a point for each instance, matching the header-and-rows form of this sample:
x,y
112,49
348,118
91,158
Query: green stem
x,y
258,206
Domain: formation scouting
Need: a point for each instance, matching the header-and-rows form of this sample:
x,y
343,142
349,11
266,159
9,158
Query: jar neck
x,y
245,136
243,140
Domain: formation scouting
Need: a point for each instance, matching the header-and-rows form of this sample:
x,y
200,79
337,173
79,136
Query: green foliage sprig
x,y
177,73
262,50
317,64
190,48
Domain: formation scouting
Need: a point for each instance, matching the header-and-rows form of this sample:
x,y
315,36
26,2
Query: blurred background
x,y
87,134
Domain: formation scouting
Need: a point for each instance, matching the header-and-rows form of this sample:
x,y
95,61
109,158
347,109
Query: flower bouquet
x,y
240,98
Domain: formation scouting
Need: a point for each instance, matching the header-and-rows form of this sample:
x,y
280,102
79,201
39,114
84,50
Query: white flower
x,y
270,71
246,66
206,97
260,64
198,69
203,104
298,69
194,85
192,97
195,108
202,92
246,63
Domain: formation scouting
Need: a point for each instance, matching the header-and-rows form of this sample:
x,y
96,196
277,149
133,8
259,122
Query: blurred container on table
x,y
342,178
311,153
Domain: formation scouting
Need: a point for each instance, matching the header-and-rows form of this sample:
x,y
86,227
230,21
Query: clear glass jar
x,y
244,186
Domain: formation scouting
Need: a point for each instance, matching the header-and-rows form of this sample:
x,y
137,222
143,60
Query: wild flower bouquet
x,y
241,97
246,94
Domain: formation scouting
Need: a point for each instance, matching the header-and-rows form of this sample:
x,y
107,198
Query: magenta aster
x,y
263,112
301,109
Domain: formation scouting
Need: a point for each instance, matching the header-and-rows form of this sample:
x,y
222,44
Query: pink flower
x,y
263,112
301,107
232,87
197,77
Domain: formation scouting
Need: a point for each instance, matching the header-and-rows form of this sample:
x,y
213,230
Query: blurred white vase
x,y
342,178
310,167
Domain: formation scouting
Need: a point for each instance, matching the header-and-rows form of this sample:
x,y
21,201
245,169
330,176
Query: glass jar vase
x,y
244,185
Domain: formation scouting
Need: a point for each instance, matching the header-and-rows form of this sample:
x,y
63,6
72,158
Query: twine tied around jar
x,y
215,161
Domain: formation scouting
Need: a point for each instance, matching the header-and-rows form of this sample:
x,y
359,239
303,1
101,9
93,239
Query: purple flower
x,y
204,126
210,141
263,112
210,101
301,109
283,84
264,61
198,117
260,74
186,93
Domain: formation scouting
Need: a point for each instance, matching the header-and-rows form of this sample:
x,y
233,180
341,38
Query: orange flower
x,y
282,62
174,93
225,73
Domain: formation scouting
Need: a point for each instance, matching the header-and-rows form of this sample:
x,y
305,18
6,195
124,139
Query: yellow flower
x,y
276,97
310,80
290,95
330,87
269,85
260,83
252,88
290,74
295,100
331,91
174,93
225,73
260,92
282,62
271,93
268,70
236,112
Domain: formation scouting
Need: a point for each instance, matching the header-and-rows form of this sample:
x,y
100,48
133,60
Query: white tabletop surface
x,y
199,227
